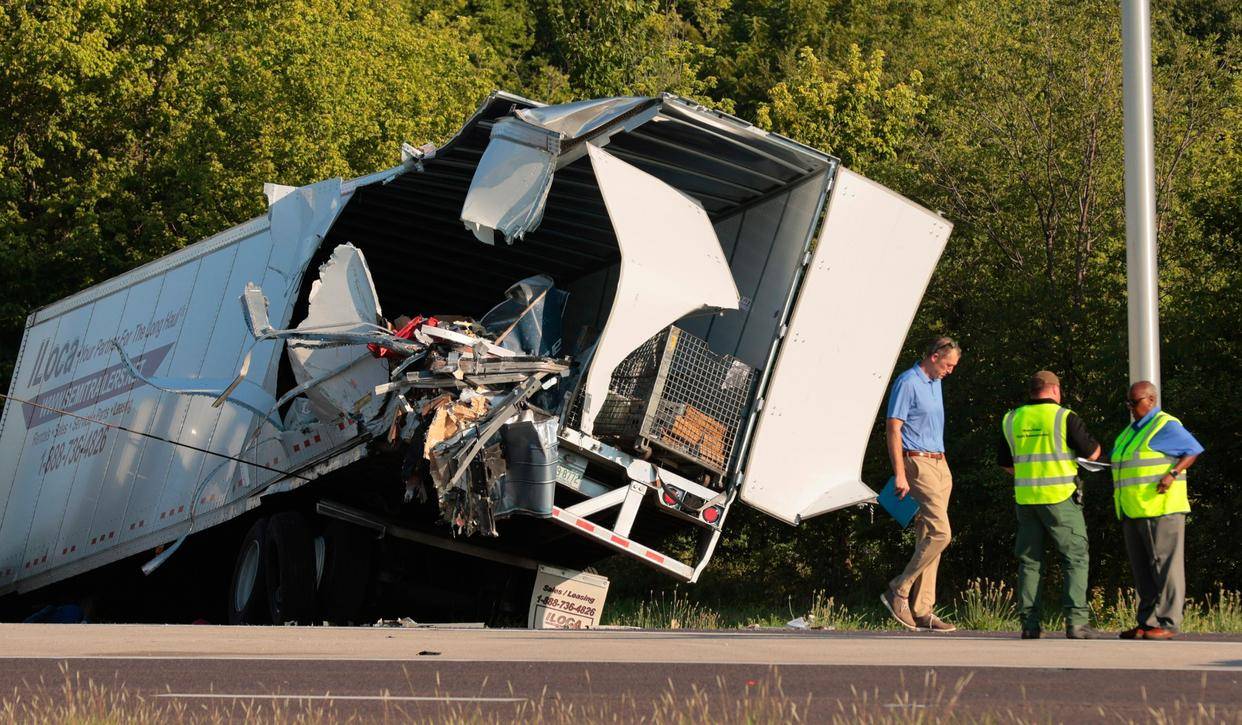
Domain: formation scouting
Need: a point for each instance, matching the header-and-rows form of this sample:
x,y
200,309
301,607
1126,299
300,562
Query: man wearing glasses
x,y
1149,463
916,450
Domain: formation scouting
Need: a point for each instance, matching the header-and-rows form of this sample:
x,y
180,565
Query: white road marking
x,y
390,698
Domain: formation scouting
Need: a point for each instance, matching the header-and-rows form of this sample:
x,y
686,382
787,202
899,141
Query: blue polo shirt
x,y
1171,440
915,400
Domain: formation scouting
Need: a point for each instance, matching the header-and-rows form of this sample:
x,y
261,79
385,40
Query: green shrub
x,y
986,605
827,614
1222,614
1119,614
674,611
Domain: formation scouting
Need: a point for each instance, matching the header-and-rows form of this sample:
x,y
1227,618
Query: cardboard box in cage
x,y
676,395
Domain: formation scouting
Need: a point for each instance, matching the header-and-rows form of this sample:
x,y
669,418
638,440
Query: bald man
x,y
1149,462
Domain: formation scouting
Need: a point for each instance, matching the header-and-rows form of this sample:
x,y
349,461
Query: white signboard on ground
x,y
567,599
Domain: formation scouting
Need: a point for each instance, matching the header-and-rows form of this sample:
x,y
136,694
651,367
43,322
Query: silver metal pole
x,y
1141,279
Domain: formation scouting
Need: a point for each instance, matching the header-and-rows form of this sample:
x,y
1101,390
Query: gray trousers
x,y
1156,547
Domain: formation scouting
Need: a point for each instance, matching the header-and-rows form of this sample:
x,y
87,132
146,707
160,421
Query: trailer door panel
x,y
874,257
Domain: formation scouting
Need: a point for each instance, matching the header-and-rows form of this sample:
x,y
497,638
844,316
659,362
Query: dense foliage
x,y
128,129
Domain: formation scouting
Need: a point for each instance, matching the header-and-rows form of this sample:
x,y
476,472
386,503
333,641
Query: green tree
x,y
849,110
626,47
130,129
1023,151
85,88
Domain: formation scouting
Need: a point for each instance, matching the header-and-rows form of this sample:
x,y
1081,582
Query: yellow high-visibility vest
x,y
1137,470
1044,467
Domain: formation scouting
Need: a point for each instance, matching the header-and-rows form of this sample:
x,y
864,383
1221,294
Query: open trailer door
x,y
862,286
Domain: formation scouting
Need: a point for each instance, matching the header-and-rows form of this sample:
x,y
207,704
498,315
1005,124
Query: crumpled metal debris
x,y
342,300
468,496
512,179
529,320
459,392
451,416
451,388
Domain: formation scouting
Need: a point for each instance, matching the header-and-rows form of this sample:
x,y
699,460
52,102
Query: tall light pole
x,y
1141,280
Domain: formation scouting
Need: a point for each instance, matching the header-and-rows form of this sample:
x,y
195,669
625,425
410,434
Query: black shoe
x,y
1031,633
1082,631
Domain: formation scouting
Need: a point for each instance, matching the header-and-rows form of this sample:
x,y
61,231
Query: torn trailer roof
x,y
730,168
630,291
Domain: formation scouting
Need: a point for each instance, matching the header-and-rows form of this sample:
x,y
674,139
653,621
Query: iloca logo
x,y
54,360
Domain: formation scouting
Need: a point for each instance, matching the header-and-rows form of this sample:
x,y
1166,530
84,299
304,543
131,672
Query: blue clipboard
x,y
901,509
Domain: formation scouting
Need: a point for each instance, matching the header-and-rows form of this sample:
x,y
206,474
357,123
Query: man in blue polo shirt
x,y
1149,460
916,450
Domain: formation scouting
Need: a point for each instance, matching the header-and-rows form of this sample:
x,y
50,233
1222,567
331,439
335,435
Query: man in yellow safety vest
x,y
1149,463
1041,443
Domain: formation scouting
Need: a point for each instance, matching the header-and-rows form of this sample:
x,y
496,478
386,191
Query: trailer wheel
x,y
289,559
346,572
248,587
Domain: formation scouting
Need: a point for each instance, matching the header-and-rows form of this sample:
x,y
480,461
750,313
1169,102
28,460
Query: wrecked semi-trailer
x,y
568,333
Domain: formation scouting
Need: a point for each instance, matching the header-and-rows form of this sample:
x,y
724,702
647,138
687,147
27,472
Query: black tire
x,y
346,572
248,586
289,559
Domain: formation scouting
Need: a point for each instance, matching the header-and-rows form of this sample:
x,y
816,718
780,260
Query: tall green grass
x,y
1222,613
1116,612
984,606
826,613
665,610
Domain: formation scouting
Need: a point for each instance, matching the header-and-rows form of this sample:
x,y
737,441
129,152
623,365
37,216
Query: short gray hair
x,y
942,344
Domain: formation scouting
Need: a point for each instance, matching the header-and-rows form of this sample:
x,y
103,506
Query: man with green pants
x,y
1041,442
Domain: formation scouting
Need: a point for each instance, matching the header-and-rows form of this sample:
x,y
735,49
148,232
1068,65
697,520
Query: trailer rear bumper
x,y
622,544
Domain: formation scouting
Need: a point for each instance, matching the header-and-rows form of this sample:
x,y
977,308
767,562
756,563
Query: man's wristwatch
x,y
1174,473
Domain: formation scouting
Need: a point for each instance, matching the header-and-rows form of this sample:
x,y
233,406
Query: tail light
x,y
671,495
712,514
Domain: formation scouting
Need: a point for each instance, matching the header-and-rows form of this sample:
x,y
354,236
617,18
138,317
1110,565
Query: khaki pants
x,y
930,484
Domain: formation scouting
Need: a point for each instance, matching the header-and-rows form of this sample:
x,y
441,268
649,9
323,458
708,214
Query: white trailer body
x,y
821,316
75,495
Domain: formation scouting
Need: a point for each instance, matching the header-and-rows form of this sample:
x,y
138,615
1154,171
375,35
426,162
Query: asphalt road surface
x,y
609,674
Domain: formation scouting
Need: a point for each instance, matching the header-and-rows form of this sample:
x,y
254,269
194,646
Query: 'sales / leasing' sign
x,y
567,599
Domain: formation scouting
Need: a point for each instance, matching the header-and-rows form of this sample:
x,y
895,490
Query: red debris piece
x,y
404,333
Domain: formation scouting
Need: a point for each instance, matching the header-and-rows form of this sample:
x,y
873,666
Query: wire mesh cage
x,y
673,393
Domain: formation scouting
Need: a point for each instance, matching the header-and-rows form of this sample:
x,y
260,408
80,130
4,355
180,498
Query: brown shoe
x,y
899,607
1082,631
1136,633
932,623
1158,633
